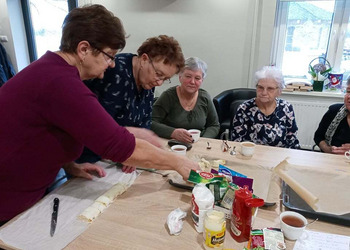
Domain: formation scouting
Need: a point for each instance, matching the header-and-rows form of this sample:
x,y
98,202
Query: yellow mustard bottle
x,y
214,230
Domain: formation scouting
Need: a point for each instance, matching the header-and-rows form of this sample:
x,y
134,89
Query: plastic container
x,y
214,230
202,201
242,210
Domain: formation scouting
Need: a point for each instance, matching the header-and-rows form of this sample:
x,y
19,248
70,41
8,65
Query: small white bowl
x,y
196,134
179,149
292,232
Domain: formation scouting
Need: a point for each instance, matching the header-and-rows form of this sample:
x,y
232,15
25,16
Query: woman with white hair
x,y
186,106
266,119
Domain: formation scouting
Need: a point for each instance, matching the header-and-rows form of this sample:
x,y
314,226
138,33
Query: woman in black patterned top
x,y
266,119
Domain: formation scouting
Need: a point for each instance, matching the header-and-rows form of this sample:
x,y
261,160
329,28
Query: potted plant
x,y
319,72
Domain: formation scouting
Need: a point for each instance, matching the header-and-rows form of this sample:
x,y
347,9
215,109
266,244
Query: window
x,y
305,30
43,22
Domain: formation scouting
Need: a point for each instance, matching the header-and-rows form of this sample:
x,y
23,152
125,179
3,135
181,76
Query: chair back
x,y
223,101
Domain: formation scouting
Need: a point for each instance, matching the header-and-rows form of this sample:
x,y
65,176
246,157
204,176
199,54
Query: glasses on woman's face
x,y
270,90
109,59
159,76
189,77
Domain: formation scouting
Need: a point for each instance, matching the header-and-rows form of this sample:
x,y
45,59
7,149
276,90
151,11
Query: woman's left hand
x,y
341,150
84,170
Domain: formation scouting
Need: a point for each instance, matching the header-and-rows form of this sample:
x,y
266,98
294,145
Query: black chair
x,y
226,104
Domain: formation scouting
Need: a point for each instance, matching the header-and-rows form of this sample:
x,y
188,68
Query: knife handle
x,y
56,203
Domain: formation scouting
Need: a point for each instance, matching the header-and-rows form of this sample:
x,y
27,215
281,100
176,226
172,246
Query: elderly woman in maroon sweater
x,y
48,115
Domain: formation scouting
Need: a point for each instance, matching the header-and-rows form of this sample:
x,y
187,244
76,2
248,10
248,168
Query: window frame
x,y
334,51
28,24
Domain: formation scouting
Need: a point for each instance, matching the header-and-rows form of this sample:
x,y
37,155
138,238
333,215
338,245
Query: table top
x,y
137,218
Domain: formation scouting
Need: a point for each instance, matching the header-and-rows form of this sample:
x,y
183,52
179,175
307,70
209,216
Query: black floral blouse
x,y
278,129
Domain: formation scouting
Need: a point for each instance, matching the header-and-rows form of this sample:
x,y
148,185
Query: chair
x,y
226,104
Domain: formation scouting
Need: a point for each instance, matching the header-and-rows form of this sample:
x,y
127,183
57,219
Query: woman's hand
x,y
128,169
84,170
182,135
341,150
186,166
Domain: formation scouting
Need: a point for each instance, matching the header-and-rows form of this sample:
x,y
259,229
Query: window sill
x,y
315,94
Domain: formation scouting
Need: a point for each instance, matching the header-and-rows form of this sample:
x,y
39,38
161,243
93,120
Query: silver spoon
x,y
208,147
154,171
233,151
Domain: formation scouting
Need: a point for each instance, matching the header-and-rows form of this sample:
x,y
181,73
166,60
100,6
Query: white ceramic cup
x,y
179,149
196,134
289,231
247,148
347,155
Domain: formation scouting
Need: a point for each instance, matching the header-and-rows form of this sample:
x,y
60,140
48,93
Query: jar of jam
x,y
214,230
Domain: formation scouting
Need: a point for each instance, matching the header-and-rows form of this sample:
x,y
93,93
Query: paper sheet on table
x,y
32,229
261,175
330,188
322,241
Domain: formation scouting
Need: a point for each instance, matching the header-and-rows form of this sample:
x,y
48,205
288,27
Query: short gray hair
x,y
270,72
194,64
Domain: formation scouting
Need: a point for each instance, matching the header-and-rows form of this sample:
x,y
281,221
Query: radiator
x,y
308,116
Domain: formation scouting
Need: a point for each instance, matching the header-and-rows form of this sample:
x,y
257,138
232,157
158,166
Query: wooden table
x,y
137,219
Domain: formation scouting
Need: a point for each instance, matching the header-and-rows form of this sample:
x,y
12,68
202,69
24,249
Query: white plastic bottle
x,y
202,201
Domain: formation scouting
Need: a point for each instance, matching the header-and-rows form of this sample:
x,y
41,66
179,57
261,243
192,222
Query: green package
x,y
204,177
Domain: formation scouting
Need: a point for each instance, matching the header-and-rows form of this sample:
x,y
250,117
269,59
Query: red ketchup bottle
x,y
242,210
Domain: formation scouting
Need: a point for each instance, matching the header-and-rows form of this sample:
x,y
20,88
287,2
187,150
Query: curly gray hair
x,y
270,72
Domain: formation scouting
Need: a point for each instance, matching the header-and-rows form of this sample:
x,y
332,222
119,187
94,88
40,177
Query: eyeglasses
x,y
189,77
159,76
268,89
110,58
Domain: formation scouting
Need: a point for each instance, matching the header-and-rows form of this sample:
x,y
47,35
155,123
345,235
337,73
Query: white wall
x,y
234,37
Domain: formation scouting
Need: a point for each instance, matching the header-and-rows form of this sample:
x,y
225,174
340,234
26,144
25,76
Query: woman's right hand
x,y
182,135
186,166
341,150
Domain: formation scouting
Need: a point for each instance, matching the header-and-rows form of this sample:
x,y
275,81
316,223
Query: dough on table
x,y
115,191
206,165
102,202
99,206
89,214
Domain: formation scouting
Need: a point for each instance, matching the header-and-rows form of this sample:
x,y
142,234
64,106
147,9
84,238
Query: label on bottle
x,y
236,225
213,238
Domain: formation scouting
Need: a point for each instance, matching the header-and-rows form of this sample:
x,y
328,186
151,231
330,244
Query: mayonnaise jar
x,y
214,230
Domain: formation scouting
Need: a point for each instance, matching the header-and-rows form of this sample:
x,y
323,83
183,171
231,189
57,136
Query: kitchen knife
x,y
56,202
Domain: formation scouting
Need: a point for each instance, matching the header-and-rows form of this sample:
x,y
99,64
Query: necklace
x,y
187,105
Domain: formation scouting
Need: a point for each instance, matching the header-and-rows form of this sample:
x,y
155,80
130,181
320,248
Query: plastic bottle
x,y
241,217
214,230
202,201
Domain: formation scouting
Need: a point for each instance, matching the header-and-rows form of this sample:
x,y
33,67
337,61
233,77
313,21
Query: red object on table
x,y
241,217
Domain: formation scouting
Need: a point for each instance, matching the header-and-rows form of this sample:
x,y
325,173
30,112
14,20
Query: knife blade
x,y
56,203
